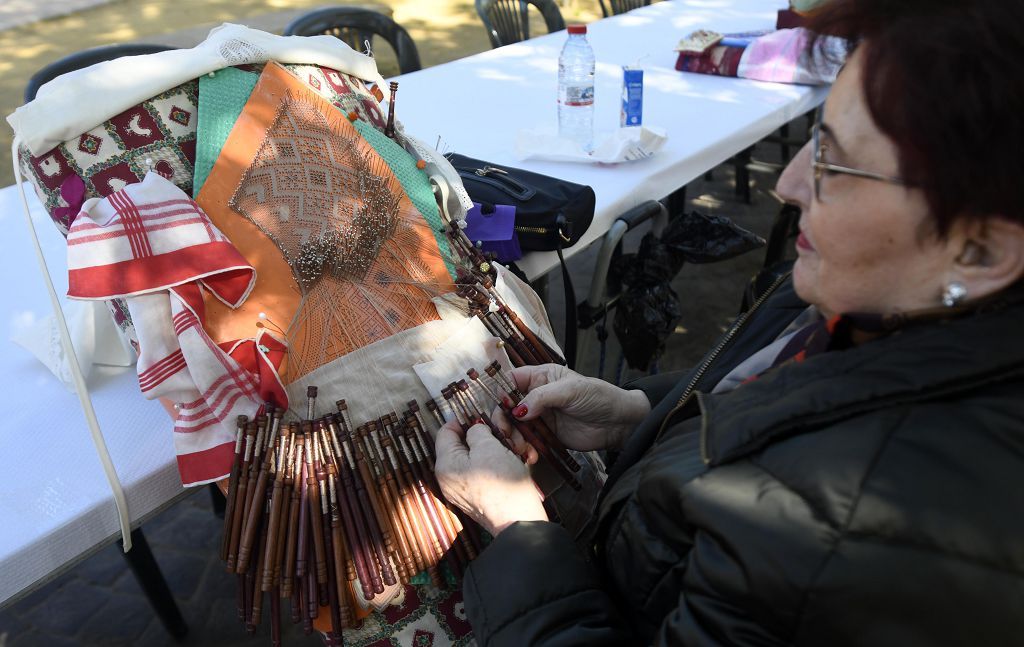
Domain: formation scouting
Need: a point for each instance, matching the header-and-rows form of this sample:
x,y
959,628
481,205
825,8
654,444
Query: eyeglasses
x,y
819,167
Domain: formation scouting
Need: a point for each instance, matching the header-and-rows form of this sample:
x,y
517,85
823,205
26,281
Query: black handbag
x,y
551,214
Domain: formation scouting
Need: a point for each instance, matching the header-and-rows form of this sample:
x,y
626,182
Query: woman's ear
x,y
990,256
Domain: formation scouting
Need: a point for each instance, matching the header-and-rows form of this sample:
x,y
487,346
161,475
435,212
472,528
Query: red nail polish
x,y
520,411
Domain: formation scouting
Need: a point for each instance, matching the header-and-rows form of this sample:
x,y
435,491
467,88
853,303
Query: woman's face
x,y
865,245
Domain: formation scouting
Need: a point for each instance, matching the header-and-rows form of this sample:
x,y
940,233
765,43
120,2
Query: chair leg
x,y
676,202
218,500
743,174
147,573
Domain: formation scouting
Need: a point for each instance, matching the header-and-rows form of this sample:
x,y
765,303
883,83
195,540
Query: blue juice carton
x,y
632,113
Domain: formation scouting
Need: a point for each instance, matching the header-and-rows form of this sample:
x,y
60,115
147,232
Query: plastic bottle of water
x,y
576,88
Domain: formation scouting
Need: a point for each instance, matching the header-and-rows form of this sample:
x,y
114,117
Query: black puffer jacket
x,y
871,496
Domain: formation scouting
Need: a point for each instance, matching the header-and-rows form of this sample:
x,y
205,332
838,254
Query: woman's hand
x,y
584,412
490,483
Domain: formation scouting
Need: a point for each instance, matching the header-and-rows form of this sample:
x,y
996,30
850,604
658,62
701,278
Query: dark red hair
x,y
944,79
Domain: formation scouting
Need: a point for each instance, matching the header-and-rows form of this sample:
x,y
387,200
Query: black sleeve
x,y
656,387
532,586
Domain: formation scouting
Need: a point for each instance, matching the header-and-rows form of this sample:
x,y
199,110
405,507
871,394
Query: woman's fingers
x,y
523,448
452,453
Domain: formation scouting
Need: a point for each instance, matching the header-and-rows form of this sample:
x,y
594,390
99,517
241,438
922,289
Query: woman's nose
x,y
794,185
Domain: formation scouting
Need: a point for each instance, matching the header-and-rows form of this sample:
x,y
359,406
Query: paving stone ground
x,y
99,603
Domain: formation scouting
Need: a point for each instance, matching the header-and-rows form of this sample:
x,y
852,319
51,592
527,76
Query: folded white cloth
x,y
621,145
79,101
96,340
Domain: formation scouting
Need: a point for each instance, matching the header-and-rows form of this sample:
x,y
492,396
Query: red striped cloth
x,y
152,245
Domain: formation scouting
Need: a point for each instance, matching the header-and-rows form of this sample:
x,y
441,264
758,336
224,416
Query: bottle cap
x,y
577,29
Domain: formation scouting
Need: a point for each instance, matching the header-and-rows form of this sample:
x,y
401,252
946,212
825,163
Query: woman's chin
x,y
803,282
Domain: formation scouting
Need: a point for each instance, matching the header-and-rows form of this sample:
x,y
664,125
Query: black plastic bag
x,y
699,238
648,309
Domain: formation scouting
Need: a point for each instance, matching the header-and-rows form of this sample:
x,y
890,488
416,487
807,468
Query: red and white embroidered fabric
x,y
152,245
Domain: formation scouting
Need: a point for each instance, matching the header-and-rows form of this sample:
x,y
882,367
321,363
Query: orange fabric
x,y
320,338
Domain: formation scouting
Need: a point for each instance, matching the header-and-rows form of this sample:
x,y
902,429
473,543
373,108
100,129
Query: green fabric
x,y
222,96
414,182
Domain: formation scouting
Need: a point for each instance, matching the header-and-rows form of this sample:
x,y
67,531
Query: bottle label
x,y
576,95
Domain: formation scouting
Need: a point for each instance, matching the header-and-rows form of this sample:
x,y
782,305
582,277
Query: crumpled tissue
x,y
620,145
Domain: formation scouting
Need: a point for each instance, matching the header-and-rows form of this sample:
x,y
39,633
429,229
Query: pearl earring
x,y
954,294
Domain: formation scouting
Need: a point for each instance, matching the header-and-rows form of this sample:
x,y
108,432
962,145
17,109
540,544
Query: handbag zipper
x,y
688,391
523,229
499,179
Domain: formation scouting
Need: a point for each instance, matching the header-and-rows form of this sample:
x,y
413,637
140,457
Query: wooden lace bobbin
x,y
287,489
434,411
312,609
340,557
254,513
355,540
391,500
236,467
400,549
256,615
319,564
389,129
311,392
376,521
430,544
368,549
532,436
396,545
241,495
320,514
428,442
396,453
516,396
292,541
334,603
420,543
542,349
255,463
424,484
449,516
489,313
464,526
472,404
276,504
455,407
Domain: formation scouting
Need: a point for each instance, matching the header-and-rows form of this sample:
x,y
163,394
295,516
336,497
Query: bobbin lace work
x,y
334,210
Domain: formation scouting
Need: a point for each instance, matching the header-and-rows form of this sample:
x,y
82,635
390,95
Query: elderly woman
x,y
847,465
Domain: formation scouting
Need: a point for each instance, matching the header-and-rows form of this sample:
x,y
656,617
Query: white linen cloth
x,y
95,337
620,145
76,102
153,246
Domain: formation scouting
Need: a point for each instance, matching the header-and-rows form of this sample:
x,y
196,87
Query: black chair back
x,y
615,7
353,26
85,58
507,21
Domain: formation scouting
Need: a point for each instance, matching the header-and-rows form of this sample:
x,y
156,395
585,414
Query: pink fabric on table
x,y
782,57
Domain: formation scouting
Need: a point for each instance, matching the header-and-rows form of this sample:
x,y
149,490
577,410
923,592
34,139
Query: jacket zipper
x,y
688,391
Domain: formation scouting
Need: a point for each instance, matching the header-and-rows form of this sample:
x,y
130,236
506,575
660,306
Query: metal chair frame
x,y
354,26
507,21
85,58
